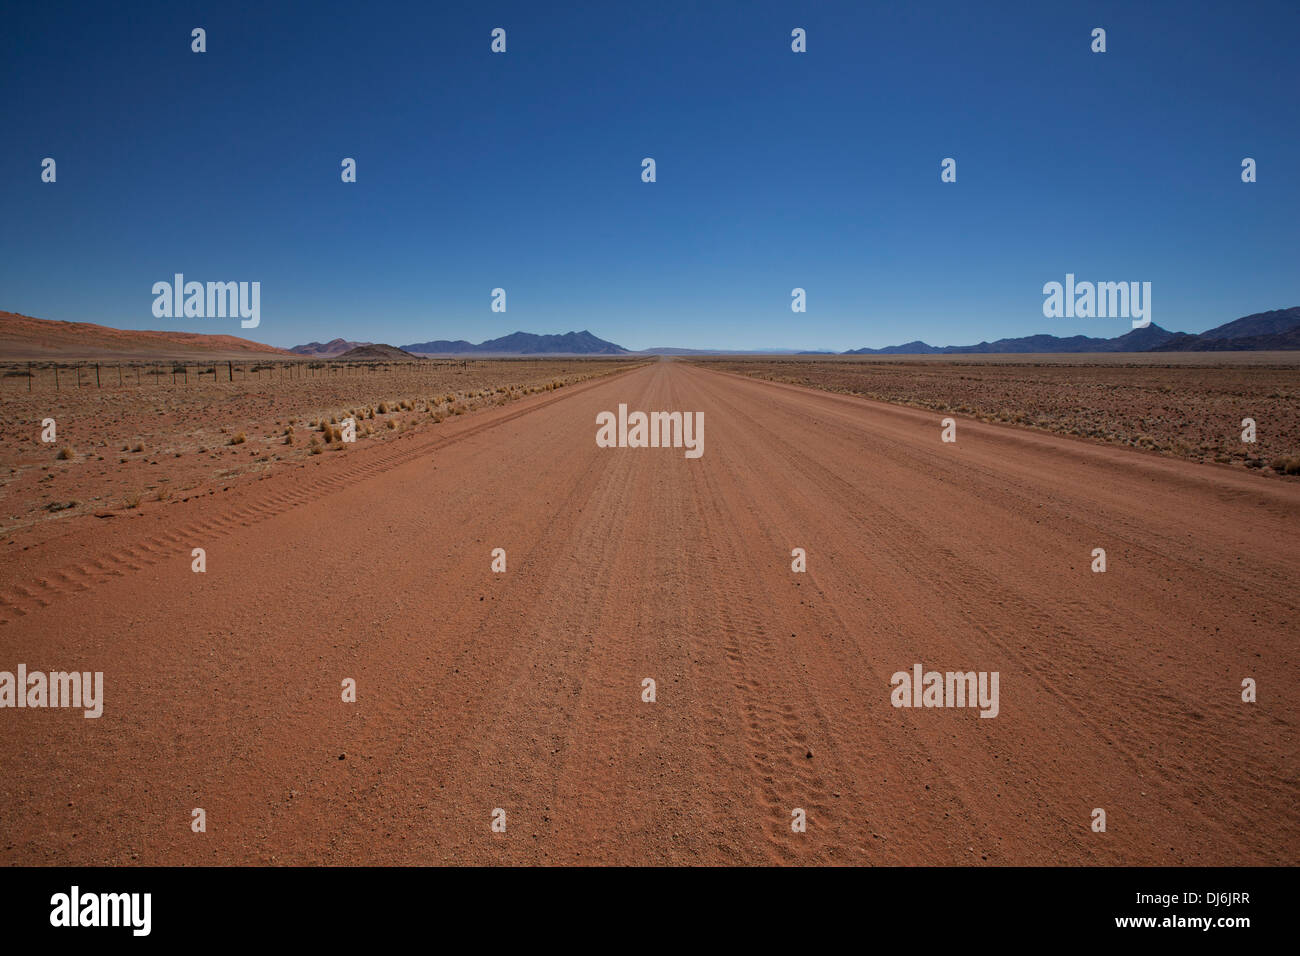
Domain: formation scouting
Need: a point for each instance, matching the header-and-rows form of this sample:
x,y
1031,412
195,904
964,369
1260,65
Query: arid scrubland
x,y
120,448
1183,409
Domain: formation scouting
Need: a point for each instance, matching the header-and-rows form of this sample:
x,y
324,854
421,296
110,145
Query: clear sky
x,y
522,170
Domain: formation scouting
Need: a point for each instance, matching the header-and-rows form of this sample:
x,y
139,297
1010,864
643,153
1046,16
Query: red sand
x,y
23,337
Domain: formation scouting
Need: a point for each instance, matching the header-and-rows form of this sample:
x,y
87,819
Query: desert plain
x,y
520,694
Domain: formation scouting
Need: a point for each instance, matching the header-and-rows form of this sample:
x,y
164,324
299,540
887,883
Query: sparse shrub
x,y
65,453
138,447
163,493
383,408
459,409
392,423
238,439
132,500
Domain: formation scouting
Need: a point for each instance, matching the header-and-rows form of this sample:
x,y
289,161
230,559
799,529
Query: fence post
x,y
97,385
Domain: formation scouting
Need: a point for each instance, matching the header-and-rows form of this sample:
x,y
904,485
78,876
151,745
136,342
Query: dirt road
x,y
523,691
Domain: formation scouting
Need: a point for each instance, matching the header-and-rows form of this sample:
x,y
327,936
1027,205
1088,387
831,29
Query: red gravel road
x,y
523,690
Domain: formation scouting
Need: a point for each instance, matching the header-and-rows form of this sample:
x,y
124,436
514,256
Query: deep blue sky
x,y
775,170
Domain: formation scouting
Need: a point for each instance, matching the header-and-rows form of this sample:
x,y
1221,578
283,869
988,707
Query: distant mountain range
x,y
1275,330
1137,340
26,338
373,352
1263,331
1278,329
327,349
523,343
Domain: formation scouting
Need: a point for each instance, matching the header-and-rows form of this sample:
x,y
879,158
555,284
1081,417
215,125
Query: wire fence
x,y
57,376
